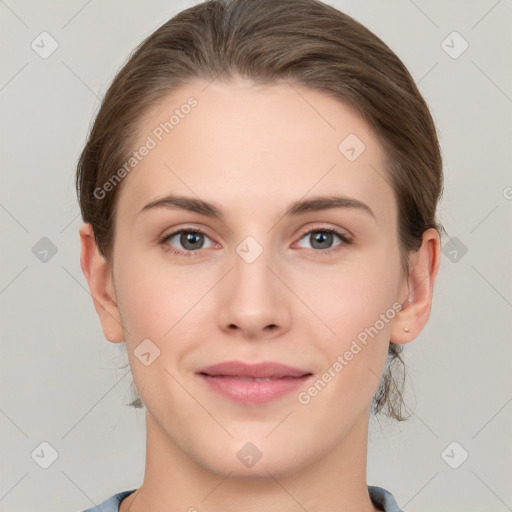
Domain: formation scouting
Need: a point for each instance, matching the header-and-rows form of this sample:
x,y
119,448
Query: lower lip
x,y
252,392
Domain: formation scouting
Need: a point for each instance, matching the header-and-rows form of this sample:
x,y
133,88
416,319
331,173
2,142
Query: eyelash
x,y
191,254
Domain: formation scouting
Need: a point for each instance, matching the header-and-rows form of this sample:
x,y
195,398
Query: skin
x,y
253,150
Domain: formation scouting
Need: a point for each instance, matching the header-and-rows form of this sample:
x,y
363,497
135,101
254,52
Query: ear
x,y
98,273
417,289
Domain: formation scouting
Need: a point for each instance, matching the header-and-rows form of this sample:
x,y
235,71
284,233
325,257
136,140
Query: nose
x,y
254,302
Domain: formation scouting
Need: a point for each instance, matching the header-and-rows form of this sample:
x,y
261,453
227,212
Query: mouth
x,y
250,379
254,384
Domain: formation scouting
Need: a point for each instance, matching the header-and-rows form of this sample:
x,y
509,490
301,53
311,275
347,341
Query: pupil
x,y
322,238
188,239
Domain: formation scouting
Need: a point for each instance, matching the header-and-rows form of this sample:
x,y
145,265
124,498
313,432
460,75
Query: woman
x,y
258,193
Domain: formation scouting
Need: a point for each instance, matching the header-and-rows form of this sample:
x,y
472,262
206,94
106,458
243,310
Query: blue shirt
x,y
379,496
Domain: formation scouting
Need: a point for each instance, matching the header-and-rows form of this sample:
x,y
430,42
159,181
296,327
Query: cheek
x,y
354,296
153,296
353,356
158,305
358,303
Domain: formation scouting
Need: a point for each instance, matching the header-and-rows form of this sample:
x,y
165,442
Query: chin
x,y
258,459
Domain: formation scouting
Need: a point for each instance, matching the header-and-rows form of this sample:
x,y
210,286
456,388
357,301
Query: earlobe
x,y
418,289
98,273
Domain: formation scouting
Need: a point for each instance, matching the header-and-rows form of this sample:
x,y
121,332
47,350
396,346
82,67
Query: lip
x,y
235,380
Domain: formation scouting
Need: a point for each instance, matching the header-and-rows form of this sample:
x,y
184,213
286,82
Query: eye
x,y
190,240
321,239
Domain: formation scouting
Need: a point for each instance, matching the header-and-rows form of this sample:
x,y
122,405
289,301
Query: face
x,y
255,277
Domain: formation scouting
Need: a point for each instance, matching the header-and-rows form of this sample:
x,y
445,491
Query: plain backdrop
x,y
62,383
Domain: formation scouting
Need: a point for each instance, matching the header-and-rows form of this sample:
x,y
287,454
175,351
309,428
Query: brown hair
x,y
305,42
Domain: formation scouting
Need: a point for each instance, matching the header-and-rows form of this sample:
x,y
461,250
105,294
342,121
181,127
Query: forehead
x,y
260,144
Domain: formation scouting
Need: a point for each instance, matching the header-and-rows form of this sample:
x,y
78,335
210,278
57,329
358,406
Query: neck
x,y
173,481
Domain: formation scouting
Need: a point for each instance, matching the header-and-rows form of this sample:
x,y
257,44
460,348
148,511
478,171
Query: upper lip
x,y
259,370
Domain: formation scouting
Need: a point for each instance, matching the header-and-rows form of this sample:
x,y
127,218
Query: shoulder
x,y
384,499
110,504
379,496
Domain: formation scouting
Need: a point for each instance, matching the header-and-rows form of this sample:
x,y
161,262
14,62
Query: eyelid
x,y
163,239
345,240
344,235
341,232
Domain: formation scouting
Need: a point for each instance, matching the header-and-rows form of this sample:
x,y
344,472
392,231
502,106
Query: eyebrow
x,y
295,208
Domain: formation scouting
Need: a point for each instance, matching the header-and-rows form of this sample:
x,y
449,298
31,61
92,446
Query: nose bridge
x,y
252,299
253,285
251,273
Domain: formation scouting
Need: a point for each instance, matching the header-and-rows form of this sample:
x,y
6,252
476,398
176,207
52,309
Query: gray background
x,y
62,382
